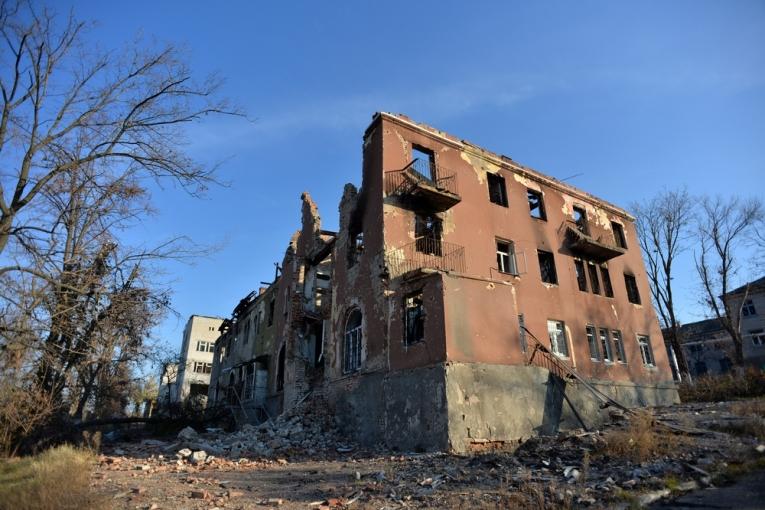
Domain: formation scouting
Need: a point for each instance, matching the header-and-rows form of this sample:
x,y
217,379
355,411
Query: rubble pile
x,y
305,430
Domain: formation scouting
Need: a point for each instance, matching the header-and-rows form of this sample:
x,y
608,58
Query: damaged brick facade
x,y
450,264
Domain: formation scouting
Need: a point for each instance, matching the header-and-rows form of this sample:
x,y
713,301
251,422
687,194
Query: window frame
x,y
555,344
605,343
353,342
590,332
592,271
630,278
581,279
618,340
748,309
495,179
581,223
620,237
646,350
512,268
605,276
420,318
758,334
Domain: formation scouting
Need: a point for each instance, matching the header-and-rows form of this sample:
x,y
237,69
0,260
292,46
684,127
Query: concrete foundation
x,y
460,406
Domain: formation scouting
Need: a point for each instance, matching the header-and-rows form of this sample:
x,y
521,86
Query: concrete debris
x,y
188,434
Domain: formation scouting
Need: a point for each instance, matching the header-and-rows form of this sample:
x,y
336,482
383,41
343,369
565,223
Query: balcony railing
x,y
432,185
426,253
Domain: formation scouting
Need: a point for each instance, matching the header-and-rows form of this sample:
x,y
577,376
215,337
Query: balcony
x,y
435,193
426,253
589,247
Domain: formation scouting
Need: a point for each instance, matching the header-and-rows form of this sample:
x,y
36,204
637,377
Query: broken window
x,y
547,267
203,346
619,238
427,232
352,344
271,307
506,257
594,281
414,319
748,308
616,335
426,161
536,204
646,351
608,290
557,332
581,279
580,218
592,343
522,327
632,289
605,345
758,337
355,247
497,189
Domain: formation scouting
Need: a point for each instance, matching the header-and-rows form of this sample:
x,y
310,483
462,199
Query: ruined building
x,y
459,283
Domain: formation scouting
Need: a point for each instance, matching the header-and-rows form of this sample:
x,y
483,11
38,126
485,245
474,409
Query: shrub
x,y
641,440
747,383
56,479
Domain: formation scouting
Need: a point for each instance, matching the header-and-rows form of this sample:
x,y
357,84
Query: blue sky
x,y
635,96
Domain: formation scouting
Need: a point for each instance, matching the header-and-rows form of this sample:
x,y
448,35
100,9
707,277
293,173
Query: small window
x,y
608,290
557,332
748,308
646,351
580,218
605,345
497,189
592,343
536,204
352,344
758,337
632,289
547,267
414,319
581,278
594,282
621,357
506,257
619,238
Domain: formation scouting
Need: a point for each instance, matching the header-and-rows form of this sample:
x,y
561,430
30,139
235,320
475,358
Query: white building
x,y
195,364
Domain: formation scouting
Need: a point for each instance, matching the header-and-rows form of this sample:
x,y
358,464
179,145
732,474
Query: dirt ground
x,y
695,447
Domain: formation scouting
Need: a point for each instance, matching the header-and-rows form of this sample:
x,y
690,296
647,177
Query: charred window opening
x,y
605,346
580,218
646,351
632,289
352,343
619,238
427,160
592,342
497,189
355,247
536,204
506,257
414,319
280,370
616,335
547,267
271,308
581,278
427,232
608,290
594,281
557,332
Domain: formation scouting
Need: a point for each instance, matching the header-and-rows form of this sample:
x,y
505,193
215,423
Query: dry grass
x,y
56,479
746,384
754,407
642,440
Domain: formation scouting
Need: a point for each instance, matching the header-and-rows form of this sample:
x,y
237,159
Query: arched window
x,y
352,344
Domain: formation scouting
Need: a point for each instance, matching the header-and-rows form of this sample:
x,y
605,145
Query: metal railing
x,y
420,171
426,252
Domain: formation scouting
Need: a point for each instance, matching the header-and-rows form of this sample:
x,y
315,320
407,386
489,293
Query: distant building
x,y
708,347
168,387
195,363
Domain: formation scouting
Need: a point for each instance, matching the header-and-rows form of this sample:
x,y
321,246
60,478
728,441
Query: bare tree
x,y
723,229
66,106
663,226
